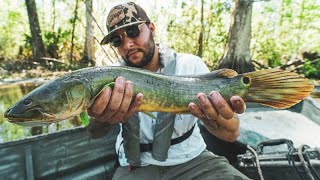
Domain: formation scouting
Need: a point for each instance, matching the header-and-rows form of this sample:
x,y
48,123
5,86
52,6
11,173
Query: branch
x,y
260,66
53,59
294,63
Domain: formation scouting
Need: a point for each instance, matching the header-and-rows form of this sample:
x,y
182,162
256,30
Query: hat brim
x,y
106,39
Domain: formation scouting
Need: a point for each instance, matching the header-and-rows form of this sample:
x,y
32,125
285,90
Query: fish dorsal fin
x,y
227,73
220,73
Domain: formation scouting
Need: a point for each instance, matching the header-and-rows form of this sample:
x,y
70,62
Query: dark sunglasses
x,y
131,31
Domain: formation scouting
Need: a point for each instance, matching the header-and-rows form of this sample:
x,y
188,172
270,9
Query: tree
x,y
200,41
38,49
199,29
74,20
237,51
53,15
88,54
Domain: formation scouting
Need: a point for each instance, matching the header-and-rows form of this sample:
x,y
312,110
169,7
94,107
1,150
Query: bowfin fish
x,y
74,93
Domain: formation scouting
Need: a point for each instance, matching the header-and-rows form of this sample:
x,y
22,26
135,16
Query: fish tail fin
x,y
276,88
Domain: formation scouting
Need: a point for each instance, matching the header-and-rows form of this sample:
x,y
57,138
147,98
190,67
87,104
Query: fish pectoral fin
x,y
84,118
109,85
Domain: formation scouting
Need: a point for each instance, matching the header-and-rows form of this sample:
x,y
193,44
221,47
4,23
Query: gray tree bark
x,y
38,49
237,51
73,31
89,50
200,40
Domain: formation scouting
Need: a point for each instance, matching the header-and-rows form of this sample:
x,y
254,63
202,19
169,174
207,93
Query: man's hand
x,y
217,115
117,105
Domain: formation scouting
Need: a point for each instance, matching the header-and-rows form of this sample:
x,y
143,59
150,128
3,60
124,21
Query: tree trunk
x,y
73,30
38,50
53,15
300,26
200,40
237,51
88,54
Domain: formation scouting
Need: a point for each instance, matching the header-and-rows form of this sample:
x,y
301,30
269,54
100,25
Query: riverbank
x,y
18,70
26,76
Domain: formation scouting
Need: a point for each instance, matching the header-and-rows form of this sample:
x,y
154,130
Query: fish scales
x,y
73,93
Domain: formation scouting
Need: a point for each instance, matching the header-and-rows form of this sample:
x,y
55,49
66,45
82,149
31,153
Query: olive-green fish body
x,y
75,92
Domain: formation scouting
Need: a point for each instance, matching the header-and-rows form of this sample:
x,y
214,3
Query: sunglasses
x,y
131,32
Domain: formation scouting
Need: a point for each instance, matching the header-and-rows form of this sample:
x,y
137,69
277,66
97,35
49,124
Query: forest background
x,y
284,33
46,38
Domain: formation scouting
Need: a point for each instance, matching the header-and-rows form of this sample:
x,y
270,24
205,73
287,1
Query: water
x,y
11,93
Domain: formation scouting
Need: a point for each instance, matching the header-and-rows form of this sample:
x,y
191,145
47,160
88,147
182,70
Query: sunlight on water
x,y
9,94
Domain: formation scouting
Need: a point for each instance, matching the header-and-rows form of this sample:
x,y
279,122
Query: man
x,y
161,145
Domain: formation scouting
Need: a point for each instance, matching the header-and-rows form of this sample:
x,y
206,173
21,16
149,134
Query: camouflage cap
x,y
124,15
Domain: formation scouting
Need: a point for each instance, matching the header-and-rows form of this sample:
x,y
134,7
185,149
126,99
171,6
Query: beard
x,y
147,54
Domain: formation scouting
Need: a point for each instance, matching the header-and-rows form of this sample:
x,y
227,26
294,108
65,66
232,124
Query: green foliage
x,y
184,31
312,70
283,31
266,52
58,38
25,51
57,42
12,28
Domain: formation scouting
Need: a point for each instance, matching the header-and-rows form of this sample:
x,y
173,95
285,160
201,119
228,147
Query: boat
x,y
72,154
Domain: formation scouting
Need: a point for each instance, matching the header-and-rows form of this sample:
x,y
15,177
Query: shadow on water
x,y
11,93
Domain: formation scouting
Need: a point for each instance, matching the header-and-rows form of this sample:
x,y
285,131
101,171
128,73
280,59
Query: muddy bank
x,y
29,76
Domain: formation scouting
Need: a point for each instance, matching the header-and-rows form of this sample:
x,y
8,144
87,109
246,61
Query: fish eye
x,y
246,80
27,102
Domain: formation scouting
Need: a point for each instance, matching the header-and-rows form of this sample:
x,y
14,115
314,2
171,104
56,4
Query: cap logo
x,y
116,15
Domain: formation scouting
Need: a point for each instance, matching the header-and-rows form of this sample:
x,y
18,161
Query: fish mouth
x,y
34,115
32,123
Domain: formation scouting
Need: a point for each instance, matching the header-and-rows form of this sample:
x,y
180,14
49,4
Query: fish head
x,y
48,103
33,107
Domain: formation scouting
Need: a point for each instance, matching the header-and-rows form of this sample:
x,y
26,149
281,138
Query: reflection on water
x,y
10,94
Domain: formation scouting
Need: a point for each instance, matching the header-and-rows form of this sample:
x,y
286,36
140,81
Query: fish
x,y
73,93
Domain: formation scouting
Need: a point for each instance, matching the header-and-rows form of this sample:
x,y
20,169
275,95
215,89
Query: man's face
x,y
139,51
